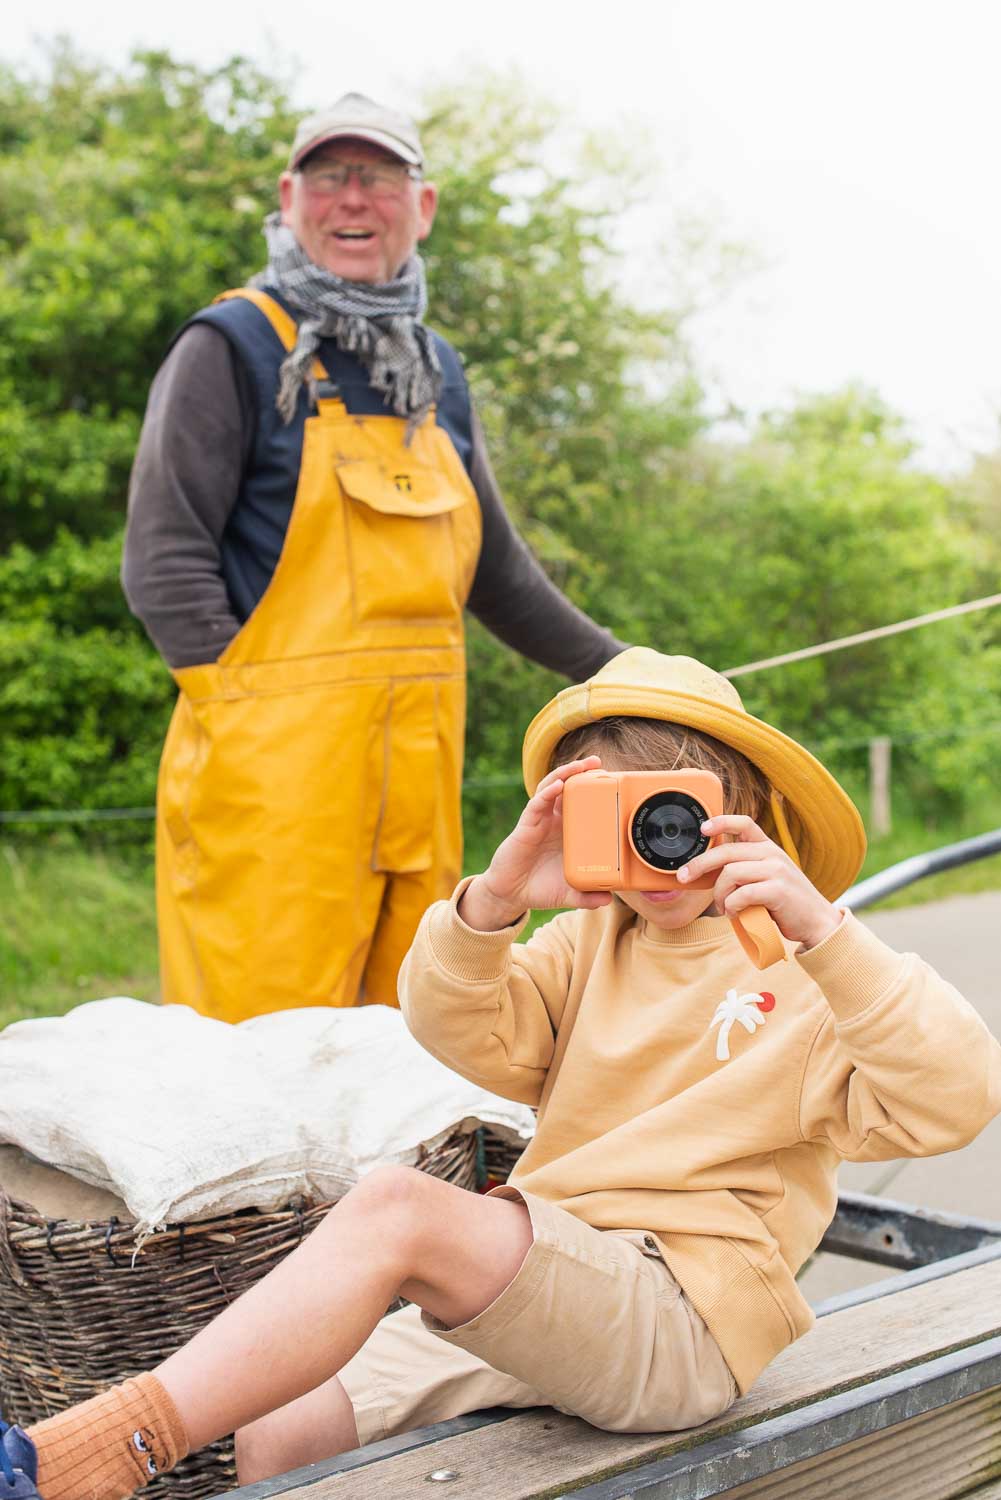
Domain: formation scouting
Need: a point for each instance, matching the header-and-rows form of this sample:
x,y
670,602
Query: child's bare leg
x,y
398,1232
317,1426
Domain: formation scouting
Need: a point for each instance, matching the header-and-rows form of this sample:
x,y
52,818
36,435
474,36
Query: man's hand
x,y
754,871
527,869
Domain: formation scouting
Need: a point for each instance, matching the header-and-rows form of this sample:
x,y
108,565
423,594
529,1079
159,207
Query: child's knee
x,y
397,1195
397,1212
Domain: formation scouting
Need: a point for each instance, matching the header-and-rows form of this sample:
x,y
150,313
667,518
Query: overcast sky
x,y
852,145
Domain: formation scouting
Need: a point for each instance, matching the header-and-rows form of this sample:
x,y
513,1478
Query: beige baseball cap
x,y
357,116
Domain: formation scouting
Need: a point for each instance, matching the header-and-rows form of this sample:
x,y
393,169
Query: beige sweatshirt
x,y
723,1146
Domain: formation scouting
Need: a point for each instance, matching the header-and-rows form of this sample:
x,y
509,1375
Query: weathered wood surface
x,y
541,1453
936,1456
765,1450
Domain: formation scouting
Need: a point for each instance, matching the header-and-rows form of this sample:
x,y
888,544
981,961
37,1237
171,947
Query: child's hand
x,y
756,872
527,869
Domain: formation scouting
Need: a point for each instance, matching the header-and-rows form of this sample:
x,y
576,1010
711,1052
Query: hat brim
x,y
357,133
824,823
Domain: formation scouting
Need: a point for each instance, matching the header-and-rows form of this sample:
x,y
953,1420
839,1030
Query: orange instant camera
x,y
633,830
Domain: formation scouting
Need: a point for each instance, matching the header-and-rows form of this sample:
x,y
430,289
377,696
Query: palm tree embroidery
x,y
747,1009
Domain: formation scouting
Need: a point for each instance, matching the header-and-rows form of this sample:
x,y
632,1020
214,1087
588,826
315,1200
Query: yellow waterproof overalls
x,y
308,808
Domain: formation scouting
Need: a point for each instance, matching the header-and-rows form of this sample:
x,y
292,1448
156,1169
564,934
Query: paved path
x,y
961,937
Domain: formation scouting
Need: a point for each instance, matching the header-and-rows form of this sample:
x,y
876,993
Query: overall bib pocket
x,y
400,546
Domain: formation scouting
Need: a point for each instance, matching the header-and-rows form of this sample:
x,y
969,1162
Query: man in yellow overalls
x,y
311,509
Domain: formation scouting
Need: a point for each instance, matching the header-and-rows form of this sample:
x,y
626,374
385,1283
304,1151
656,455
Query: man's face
x,y
362,234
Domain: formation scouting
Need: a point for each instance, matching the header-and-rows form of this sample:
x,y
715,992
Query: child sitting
x,y
639,1268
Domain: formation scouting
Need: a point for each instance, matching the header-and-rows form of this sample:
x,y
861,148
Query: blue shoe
x,y
18,1465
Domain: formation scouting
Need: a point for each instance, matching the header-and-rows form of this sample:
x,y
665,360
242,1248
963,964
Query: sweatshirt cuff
x,y
852,967
464,952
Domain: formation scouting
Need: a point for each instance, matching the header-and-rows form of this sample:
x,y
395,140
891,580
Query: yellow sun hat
x,y
810,815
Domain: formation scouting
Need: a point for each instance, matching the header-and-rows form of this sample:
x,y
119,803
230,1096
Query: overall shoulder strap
x,y
283,325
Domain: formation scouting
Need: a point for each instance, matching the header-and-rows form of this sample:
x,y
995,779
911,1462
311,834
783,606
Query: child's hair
x,y
657,744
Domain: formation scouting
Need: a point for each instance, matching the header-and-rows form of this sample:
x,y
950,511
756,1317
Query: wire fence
x,y
82,816
475,784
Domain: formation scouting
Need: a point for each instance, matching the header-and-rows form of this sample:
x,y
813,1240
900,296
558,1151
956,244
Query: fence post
x,y
879,784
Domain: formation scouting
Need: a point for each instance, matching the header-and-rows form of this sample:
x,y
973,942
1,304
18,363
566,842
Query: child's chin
x,y
669,909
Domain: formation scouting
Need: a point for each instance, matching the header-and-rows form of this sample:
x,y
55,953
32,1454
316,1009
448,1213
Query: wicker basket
x,y
81,1309
500,1156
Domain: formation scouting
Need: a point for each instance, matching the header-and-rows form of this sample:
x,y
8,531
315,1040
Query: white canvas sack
x,y
184,1117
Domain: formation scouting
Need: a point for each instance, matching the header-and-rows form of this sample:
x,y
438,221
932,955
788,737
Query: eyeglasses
x,y
382,182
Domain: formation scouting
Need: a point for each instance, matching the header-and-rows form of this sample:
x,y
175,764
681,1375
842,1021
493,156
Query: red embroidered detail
x,y
767,1001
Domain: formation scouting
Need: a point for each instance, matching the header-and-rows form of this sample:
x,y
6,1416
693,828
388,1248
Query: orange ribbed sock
x,y
106,1447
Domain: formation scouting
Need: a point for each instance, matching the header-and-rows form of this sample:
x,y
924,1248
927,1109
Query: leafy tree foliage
x,y
823,527
126,201
129,199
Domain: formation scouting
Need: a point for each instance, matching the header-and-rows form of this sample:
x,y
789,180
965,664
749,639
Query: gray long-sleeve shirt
x,y
196,441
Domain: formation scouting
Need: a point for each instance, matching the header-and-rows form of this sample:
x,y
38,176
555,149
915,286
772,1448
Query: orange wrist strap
x,y
759,937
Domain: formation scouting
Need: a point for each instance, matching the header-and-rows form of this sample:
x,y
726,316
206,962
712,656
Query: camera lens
x,y
665,830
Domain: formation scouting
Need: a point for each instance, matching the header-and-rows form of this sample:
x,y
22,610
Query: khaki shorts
x,y
593,1324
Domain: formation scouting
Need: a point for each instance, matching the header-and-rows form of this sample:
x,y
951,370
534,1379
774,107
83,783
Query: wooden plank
x,y
907,1279
542,1452
768,1448
269,1489
358,1458
932,1457
712,1468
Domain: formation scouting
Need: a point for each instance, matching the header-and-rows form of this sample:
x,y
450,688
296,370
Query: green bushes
x,y
127,200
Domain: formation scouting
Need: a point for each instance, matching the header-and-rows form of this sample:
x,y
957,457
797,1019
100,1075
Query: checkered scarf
x,y
379,323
